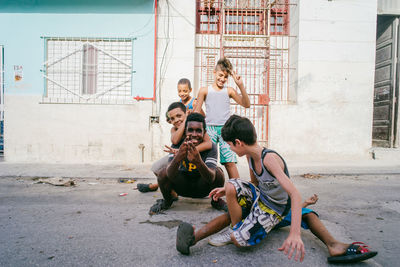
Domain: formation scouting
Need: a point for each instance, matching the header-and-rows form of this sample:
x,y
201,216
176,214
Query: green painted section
x,y
78,6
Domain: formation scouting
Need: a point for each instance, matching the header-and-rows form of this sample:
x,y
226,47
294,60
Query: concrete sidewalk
x,y
142,171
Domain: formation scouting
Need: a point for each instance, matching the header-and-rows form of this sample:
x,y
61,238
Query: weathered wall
x,y
75,133
175,60
36,132
331,116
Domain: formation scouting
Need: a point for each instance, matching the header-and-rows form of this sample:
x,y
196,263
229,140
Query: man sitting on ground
x,y
189,173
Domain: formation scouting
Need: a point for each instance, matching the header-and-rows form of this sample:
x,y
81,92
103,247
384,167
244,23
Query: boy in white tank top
x,y
217,100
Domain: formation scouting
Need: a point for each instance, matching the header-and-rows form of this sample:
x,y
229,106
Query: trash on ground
x,y
311,176
56,182
92,183
123,194
126,180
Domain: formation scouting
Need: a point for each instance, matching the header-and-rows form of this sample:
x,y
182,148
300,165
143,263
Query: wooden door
x,y
386,82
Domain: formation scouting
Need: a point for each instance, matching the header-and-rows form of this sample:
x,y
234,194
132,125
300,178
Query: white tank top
x,y
217,106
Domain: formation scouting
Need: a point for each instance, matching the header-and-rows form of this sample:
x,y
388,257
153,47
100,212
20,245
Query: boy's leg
x,y
166,190
231,169
186,237
235,210
165,185
335,247
156,168
212,227
227,157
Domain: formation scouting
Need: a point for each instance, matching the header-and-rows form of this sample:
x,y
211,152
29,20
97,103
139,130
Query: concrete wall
x,y
388,7
75,133
36,132
175,60
332,113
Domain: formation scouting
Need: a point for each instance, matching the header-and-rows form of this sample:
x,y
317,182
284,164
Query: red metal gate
x,y
253,34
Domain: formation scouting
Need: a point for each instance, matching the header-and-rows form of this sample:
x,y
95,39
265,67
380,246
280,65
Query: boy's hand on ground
x,y
292,244
217,193
238,80
311,200
170,150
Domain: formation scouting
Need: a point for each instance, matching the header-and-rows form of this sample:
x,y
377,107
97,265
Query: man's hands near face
x,y
193,154
182,152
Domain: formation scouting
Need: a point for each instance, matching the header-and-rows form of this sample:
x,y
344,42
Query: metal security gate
x,y
386,88
254,35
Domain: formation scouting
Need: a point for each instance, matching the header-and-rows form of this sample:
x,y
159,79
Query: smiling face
x,y
176,116
184,92
195,132
221,77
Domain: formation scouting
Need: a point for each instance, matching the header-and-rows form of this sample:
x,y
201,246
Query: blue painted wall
x,y
20,34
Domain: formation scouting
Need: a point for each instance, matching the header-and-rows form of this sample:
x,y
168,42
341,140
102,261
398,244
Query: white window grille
x,y
88,70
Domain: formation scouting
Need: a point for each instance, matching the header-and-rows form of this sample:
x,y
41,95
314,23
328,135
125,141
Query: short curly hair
x,y
225,65
196,117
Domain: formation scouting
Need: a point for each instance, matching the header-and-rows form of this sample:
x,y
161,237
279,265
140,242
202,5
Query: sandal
x,y
184,238
144,188
357,251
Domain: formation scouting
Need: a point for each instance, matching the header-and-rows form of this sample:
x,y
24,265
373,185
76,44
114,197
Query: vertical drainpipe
x,y
155,51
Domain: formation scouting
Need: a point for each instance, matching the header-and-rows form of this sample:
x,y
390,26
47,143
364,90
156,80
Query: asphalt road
x,y
91,225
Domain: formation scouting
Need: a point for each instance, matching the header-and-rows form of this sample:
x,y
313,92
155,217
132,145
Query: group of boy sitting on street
x,y
253,208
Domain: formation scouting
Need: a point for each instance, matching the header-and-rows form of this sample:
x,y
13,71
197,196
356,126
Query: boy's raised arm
x,y
206,144
293,243
243,99
201,109
177,134
200,99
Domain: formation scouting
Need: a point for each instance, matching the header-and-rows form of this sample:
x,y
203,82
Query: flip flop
x,y
356,252
184,238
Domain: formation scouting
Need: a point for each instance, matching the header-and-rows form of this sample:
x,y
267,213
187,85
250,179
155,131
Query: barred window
x,y
242,17
88,70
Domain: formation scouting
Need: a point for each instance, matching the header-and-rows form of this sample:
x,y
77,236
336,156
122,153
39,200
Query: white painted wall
x,y
332,113
72,133
175,60
332,93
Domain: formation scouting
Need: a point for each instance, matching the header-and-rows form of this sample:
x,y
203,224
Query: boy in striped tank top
x,y
217,100
257,207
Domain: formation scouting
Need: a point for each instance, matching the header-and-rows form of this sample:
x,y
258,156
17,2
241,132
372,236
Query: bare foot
x,y
153,187
311,200
337,249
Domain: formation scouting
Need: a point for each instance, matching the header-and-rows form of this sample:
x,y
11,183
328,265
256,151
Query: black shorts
x,y
195,186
